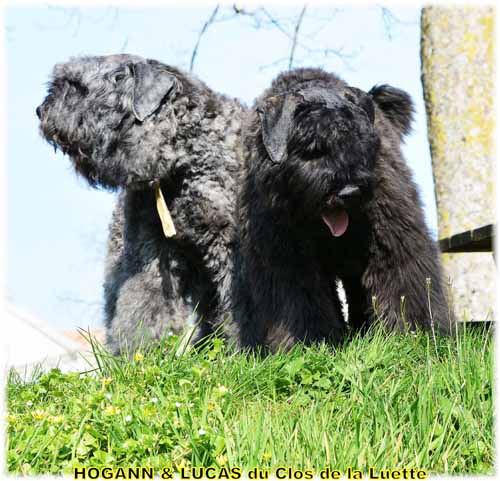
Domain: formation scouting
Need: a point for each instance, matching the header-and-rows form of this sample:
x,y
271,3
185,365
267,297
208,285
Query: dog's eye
x,y
118,75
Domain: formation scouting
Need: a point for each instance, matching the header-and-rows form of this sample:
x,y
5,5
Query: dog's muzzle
x,y
335,214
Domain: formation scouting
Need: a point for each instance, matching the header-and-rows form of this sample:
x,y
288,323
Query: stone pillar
x,y
457,53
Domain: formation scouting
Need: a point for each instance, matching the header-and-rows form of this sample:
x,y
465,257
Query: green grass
x,y
387,401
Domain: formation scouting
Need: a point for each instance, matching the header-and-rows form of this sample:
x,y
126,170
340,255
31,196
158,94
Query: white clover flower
x,y
223,389
154,400
202,432
108,396
128,418
178,404
29,403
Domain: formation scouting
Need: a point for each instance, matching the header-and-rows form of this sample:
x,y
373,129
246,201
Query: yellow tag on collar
x,y
165,217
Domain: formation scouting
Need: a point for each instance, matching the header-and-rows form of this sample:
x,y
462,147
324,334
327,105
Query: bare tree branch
x,y
202,32
276,23
390,20
124,45
291,28
295,36
72,16
76,16
345,57
273,64
63,299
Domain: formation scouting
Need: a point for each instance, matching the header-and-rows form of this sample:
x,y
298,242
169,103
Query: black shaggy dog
x,y
326,194
168,143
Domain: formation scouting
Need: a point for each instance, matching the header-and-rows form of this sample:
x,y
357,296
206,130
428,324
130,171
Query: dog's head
x,y
320,143
100,111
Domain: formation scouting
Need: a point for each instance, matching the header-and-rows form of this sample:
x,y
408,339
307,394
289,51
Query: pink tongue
x,y
337,221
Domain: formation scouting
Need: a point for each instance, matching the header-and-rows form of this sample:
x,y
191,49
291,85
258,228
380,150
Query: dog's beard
x,y
334,174
88,169
316,192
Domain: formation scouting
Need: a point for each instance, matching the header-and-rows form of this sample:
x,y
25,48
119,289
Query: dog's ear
x,y
396,105
152,84
276,117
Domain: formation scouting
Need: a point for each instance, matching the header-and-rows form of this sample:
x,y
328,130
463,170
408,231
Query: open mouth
x,y
337,220
335,214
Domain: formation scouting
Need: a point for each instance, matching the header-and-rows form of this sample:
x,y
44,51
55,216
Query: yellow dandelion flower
x,y
39,414
211,407
181,464
138,356
11,418
148,410
111,410
266,456
222,459
107,380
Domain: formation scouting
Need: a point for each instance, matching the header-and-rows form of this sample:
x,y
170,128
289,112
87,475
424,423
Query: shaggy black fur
x,y
131,123
326,194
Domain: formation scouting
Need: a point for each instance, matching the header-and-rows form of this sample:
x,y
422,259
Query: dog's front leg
x,y
404,288
280,310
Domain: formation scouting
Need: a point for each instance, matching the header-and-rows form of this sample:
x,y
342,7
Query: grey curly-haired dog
x,y
168,143
326,194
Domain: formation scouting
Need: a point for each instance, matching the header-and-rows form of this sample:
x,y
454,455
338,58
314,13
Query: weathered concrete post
x,y
458,78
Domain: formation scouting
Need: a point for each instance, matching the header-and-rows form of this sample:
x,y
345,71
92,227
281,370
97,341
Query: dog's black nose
x,y
39,112
349,191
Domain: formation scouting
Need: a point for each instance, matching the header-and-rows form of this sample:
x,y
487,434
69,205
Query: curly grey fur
x,y
319,153
131,123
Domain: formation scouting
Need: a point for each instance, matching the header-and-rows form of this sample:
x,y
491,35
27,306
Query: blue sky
x,y
56,225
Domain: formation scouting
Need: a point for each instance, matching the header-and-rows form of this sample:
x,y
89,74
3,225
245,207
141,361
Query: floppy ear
x,y
396,104
276,121
152,84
